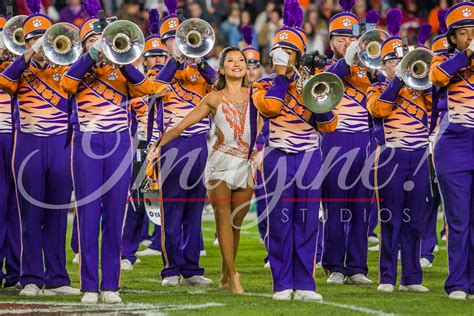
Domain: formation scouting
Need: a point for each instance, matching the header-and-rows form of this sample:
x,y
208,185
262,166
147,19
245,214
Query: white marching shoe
x,y
373,239
267,265
335,278
425,263
109,297
126,265
75,260
145,243
414,288
384,287
457,295
284,295
358,279
62,290
90,298
170,281
203,253
149,252
301,295
30,290
196,280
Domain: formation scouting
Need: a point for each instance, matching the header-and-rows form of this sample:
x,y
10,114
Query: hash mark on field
x,y
339,305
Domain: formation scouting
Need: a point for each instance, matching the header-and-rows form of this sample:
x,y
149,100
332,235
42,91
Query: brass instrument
x,y
195,38
62,44
415,68
13,36
122,42
370,48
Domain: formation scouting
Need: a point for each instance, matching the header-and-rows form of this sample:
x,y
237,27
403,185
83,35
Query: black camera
x,y
314,60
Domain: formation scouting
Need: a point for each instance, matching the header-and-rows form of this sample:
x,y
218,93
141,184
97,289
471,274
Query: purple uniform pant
x,y
454,163
101,174
261,207
9,218
402,184
183,193
293,197
347,209
43,176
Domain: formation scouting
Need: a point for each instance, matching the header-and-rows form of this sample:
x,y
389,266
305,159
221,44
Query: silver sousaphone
x,y
13,36
122,42
370,48
62,44
415,67
195,38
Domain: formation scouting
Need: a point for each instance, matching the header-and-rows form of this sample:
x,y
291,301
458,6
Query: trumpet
x,y
62,44
321,92
415,68
13,36
370,48
195,38
123,42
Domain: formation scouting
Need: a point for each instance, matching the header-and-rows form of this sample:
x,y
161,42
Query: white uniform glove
x,y
2,44
398,71
38,45
351,52
177,54
98,44
471,45
280,57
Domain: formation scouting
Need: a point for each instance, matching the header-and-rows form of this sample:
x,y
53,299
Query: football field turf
x,y
143,295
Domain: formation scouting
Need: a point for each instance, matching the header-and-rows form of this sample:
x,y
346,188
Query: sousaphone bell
x,y
195,38
415,68
322,92
370,48
62,44
122,42
13,36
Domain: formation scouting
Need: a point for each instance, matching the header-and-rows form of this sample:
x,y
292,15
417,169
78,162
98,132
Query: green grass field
x,y
143,294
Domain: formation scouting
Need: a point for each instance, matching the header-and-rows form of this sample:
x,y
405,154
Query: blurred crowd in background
x,y
229,16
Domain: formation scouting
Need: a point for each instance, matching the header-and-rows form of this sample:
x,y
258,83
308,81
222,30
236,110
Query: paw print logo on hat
x,y
284,36
251,55
172,24
37,23
395,45
346,22
91,25
445,43
466,12
155,43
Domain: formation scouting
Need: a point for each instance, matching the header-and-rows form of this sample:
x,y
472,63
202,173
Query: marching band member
x,y
182,203
429,238
228,174
292,155
41,163
347,209
101,158
454,148
9,220
154,58
401,173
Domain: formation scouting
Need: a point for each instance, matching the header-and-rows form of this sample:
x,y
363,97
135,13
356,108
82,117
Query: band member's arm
x,y
379,106
269,102
10,76
207,72
326,122
340,69
138,84
72,78
443,69
202,110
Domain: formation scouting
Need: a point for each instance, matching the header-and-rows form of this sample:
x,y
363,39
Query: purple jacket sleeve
x,y
454,64
279,88
207,72
80,67
167,73
132,74
341,69
14,71
391,93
